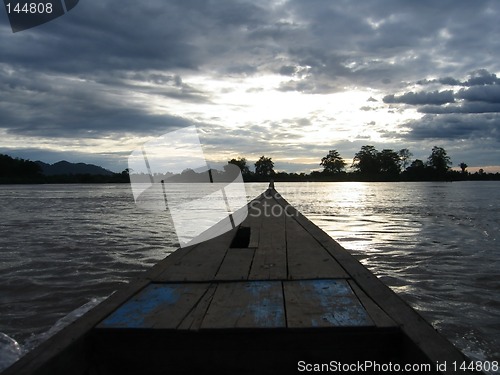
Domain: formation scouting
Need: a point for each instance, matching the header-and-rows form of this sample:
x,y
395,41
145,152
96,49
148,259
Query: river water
x,y
435,243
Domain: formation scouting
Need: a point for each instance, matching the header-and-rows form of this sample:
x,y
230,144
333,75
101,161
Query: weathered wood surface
x,y
292,280
256,304
248,304
270,260
307,259
279,249
323,303
157,306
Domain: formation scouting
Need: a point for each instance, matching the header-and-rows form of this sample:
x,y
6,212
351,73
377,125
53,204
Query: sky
x,y
290,80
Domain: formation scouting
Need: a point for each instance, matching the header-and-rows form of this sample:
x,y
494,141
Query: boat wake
x,y
11,350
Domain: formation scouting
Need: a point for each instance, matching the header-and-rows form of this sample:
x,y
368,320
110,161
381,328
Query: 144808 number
x,y
33,8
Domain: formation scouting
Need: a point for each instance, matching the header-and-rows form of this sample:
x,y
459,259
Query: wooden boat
x,y
274,295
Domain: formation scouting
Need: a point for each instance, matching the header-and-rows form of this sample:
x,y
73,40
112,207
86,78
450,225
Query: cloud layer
x,y
290,78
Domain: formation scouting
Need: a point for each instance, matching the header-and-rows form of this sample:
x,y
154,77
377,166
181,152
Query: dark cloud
x,y
388,42
482,77
487,93
456,126
160,79
366,42
480,93
296,71
114,36
164,85
421,98
294,123
474,107
471,113
34,105
240,69
288,70
308,86
450,81
482,96
476,78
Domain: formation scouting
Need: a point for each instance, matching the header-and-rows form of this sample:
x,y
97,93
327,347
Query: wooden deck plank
x,y
172,258
238,261
236,264
307,259
253,221
252,304
254,234
270,260
379,317
157,306
193,320
199,264
323,303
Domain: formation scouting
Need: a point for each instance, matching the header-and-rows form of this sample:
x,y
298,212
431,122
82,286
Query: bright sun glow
x,y
245,102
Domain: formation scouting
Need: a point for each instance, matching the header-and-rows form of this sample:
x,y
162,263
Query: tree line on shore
x,y
369,164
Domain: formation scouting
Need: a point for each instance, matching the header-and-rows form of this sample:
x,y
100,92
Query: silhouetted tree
x,y
10,167
366,161
124,176
417,164
333,162
242,164
463,166
264,167
416,170
390,163
188,172
439,161
405,156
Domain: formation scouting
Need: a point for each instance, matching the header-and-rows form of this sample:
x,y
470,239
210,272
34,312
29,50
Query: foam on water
x,y
10,351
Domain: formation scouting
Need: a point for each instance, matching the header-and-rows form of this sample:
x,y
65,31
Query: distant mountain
x,y
65,167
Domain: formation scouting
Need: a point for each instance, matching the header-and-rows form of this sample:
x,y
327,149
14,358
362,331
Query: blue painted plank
x,y
323,303
253,304
156,306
